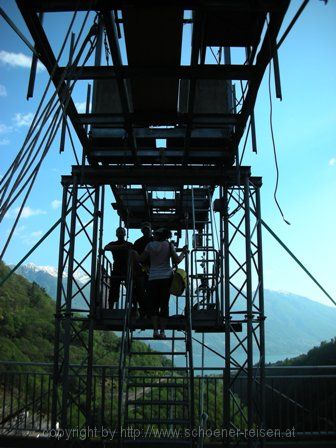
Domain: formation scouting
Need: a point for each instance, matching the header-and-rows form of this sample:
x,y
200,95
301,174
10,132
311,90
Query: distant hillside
x,y
295,324
27,327
46,277
323,355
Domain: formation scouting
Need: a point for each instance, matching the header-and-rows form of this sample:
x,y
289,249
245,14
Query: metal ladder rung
x,y
159,402
157,422
179,369
145,338
200,276
161,384
158,353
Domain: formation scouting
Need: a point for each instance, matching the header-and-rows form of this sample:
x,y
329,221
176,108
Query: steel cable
x,y
52,135
48,113
35,120
49,104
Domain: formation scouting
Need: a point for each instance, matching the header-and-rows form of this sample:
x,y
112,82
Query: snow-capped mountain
x,y
46,276
51,270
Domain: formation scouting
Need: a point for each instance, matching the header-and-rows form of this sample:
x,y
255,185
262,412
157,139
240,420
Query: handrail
x,y
299,400
125,341
216,368
188,310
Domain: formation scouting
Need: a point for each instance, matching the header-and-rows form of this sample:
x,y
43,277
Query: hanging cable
x,y
53,133
47,116
35,120
26,168
44,115
18,32
292,23
33,178
274,147
271,126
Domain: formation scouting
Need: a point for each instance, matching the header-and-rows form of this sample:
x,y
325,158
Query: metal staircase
x,y
156,399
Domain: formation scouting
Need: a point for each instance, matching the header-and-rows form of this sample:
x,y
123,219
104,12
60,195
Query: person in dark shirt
x,y
142,269
120,253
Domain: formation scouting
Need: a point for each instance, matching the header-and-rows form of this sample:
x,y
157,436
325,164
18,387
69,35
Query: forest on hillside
x,y
323,355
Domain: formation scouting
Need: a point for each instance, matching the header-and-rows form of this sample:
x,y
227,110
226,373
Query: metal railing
x,y
105,278
300,399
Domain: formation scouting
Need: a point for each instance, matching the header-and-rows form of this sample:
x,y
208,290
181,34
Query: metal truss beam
x,y
263,59
232,72
112,37
48,59
84,5
160,176
157,118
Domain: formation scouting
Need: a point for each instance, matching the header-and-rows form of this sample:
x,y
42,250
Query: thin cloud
x,y
4,141
4,129
3,90
21,120
36,234
18,60
332,162
27,238
55,204
30,238
27,212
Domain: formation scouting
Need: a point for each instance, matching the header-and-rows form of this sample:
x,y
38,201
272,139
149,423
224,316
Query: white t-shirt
x,y
159,254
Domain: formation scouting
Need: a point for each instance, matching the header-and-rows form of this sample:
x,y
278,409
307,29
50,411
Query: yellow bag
x,y
179,282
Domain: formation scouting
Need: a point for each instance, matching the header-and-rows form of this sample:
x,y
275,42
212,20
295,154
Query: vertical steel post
x,y
261,311
93,273
249,317
227,375
229,90
58,316
68,300
87,110
98,303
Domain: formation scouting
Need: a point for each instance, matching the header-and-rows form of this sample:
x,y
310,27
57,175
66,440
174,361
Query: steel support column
x,y
241,248
77,271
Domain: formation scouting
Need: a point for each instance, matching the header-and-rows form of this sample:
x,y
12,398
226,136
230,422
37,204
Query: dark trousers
x,y
115,282
159,293
141,294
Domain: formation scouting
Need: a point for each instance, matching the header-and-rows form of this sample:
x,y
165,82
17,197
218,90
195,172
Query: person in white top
x,y
160,252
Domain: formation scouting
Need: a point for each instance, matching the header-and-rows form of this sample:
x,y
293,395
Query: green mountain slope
x,y
27,327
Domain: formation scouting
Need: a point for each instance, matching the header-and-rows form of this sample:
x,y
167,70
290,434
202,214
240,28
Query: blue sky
x,y
305,133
